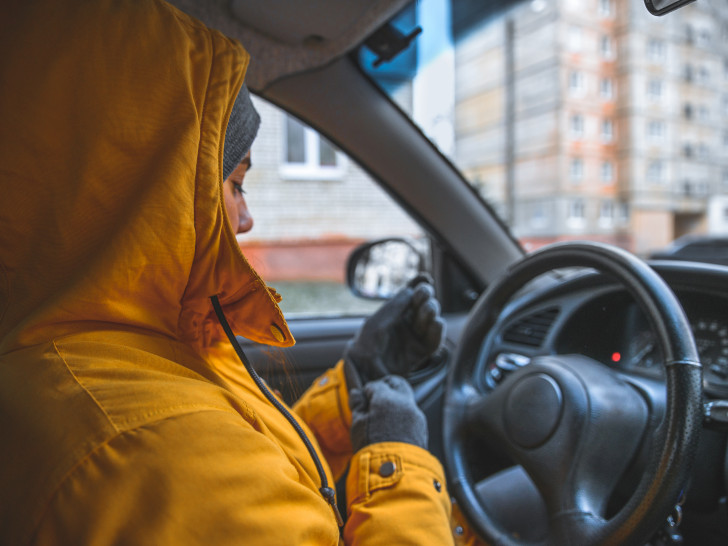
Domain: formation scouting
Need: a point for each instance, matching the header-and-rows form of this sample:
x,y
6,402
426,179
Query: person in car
x,y
122,415
240,133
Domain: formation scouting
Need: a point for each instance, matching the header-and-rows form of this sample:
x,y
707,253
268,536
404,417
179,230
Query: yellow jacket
x,y
124,416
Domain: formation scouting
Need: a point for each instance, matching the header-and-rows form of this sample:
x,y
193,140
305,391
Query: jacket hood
x,y
113,118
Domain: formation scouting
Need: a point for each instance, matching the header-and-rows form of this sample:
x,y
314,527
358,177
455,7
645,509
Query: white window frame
x,y
576,83
577,124
606,8
606,212
656,172
606,46
576,213
606,172
606,88
656,49
656,130
623,212
655,89
575,38
310,168
539,218
576,170
607,130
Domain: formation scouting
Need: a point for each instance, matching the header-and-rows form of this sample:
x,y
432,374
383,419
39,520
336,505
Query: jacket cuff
x,y
396,494
384,465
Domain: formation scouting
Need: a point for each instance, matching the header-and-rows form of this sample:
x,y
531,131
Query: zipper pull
x,y
330,496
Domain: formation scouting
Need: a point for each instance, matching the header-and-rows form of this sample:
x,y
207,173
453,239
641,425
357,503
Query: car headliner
x,y
286,37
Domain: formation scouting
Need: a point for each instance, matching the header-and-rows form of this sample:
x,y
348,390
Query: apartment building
x,y
591,118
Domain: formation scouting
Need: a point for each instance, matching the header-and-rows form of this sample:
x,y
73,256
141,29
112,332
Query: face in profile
x,y
241,221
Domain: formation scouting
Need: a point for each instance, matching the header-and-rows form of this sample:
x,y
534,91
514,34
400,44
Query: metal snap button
x,y
387,469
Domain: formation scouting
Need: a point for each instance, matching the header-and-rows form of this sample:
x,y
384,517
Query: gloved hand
x,y
396,339
385,411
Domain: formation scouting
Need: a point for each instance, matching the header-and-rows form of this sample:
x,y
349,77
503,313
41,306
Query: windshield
x,y
574,119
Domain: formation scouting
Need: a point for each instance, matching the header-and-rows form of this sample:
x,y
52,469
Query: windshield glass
x,y
574,119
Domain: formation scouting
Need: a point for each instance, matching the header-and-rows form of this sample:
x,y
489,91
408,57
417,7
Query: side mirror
x,y
661,7
379,269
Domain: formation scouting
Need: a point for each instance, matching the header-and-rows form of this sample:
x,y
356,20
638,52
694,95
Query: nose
x,y
245,219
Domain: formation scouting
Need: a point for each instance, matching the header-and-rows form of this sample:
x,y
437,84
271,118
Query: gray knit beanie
x,y
241,130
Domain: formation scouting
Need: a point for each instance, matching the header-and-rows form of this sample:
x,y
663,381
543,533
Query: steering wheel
x,y
573,424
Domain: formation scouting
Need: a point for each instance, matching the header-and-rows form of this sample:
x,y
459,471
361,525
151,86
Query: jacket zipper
x,y
328,493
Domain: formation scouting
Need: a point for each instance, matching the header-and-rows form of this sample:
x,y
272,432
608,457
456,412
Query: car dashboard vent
x,y
532,329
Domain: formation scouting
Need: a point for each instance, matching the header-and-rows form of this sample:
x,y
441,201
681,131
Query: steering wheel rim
x,y
673,449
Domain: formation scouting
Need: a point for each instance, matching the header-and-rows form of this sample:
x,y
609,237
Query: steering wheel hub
x,y
533,410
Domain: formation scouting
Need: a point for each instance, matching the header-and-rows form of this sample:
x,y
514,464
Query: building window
x,y
656,130
656,172
607,47
577,126
623,212
538,215
576,213
703,75
606,212
308,155
656,49
606,88
607,172
694,189
655,89
689,34
576,83
704,37
574,38
607,130
688,110
576,171
606,8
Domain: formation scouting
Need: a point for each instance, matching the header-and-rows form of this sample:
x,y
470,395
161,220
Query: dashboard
x,y
588,314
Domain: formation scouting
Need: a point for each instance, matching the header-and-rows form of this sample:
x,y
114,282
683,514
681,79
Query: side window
x,y
311,207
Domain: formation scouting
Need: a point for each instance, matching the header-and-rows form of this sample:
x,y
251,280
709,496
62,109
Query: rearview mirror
x,y
661,7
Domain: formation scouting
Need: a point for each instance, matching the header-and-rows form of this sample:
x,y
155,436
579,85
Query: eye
x,y
238,188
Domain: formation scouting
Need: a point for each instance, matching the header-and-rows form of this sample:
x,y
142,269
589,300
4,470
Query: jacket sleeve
x,y
324,407
396,494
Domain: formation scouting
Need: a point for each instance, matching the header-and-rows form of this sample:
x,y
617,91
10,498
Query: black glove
x,y
396,339
385,411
